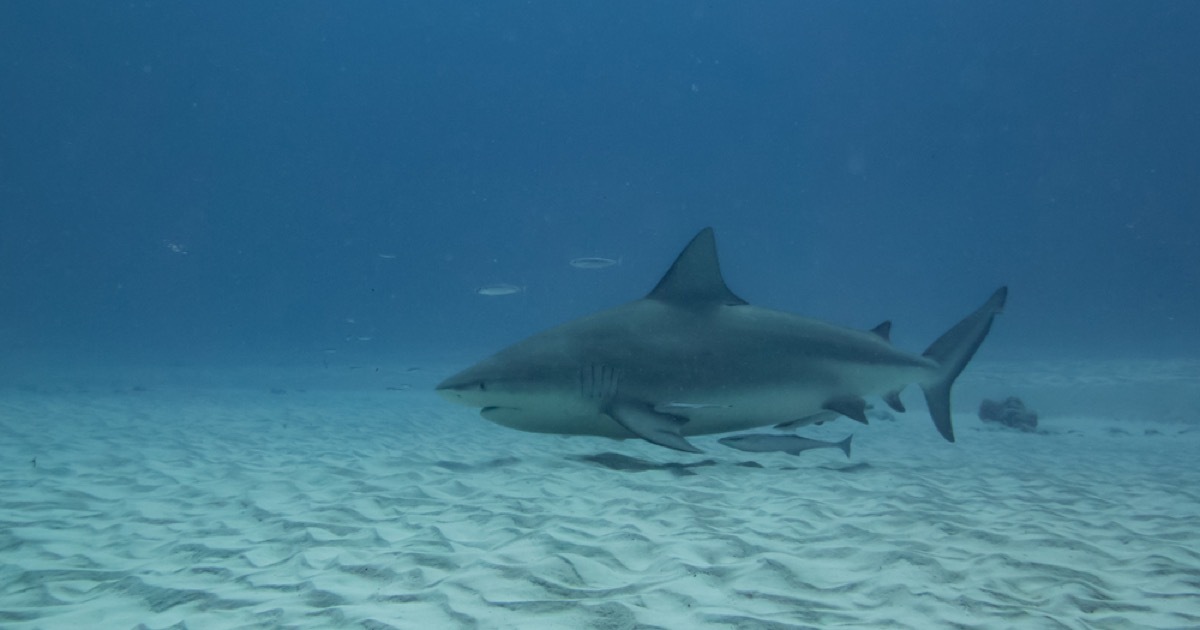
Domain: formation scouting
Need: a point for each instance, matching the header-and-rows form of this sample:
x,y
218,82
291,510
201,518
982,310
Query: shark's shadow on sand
x,y
625,463
499,462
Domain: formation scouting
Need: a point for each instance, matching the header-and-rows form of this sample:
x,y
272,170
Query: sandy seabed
x,y
195,503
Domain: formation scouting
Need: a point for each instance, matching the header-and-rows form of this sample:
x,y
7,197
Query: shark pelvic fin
x,y
695,279
821,417
853,407
654,427
952,351
893,400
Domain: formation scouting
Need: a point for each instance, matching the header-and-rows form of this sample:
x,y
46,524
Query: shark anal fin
x,y
884,330
654,427
893,400
853,407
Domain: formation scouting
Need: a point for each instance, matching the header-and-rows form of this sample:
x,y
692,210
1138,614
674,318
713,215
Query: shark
x,y
692,358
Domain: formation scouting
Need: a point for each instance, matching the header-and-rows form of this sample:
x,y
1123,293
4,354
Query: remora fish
x,y
791,444
692,358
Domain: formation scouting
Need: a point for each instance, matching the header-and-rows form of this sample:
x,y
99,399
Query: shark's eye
x,y
482,386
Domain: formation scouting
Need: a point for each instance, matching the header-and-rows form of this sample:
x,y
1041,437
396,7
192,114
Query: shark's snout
x,y
476,387
460,389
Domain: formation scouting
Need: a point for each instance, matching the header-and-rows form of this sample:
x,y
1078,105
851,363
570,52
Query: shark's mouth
x,y
502,415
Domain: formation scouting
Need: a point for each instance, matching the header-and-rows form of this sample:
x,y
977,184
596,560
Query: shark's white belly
x,y
707,410
721,410
565,415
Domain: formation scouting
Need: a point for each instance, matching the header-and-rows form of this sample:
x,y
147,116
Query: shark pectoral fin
x,y
657,428
893,400
853,407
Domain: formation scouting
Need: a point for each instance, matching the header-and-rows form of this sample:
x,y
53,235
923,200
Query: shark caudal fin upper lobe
x,y
952,351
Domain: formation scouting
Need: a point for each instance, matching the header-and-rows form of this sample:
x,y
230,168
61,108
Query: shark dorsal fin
x,y
695,278
884,330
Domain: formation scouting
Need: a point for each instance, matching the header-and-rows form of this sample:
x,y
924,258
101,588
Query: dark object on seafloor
x,y
1010,413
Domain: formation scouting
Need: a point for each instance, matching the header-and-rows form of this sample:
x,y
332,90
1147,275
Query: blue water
x,y
216,181
241,241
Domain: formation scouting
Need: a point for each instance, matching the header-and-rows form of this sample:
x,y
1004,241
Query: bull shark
x,y
692,358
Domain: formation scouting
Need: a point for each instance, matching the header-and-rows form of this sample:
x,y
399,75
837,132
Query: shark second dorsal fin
x,y
695,278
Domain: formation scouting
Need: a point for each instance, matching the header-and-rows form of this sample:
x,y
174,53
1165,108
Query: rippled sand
x,y
212,506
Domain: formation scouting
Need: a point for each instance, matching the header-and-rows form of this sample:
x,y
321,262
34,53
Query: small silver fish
x,y
790,444
594,262
493,290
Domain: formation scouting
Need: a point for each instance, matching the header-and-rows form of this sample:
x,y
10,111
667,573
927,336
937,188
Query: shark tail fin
x,y
952,351
845,445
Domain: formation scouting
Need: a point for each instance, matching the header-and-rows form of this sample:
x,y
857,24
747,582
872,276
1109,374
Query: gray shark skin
x,y
692,358
790,444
